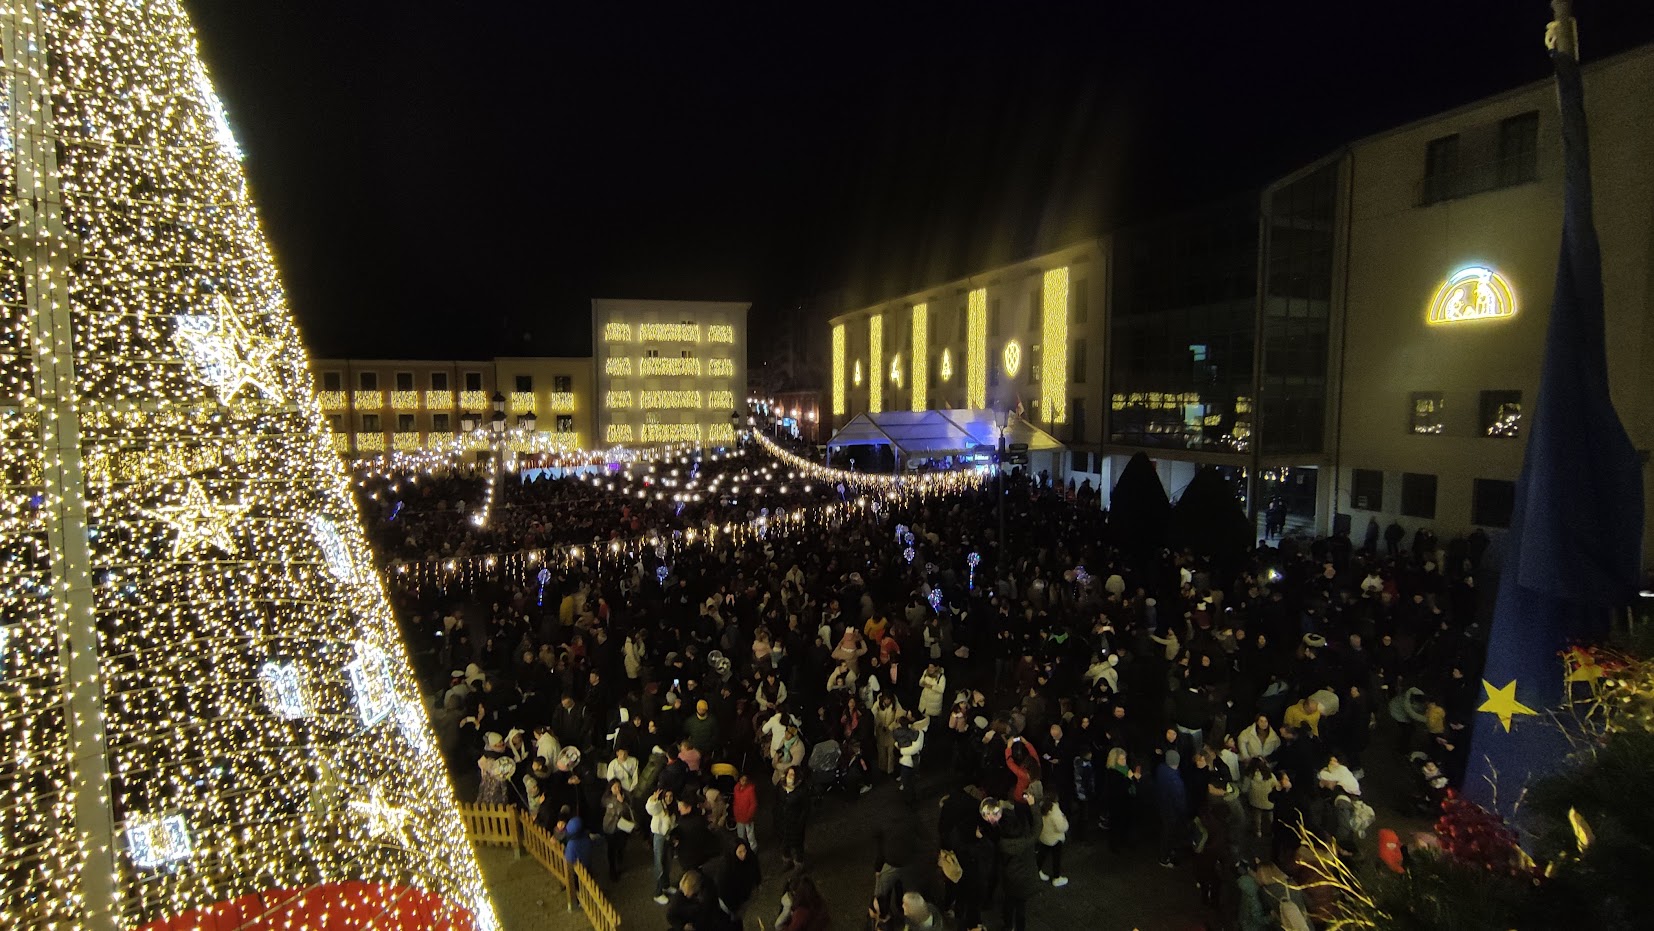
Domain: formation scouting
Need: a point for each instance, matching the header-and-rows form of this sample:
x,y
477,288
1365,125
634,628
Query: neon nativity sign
x,y
1473,293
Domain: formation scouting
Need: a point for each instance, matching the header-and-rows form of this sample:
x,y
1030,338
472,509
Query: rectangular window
x,y
1519,148
563,384
1367,489
1426,412
1079,362
1492,501
525,383
993,317
439,381
337,422
565,423
370,423
473,381
439,423
404,381
651,353
1076,417
1034,303
404,423
1418,495
367,381
1441,168
332,381
964,326
1502,414
686,353
1080,294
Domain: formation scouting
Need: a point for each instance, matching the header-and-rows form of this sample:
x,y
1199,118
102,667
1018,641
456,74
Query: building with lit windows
x,y
379,405
669,371
1355,341
1026,335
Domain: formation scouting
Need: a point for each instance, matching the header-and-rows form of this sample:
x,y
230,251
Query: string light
x,y
176,658
720,368
875,361
1054,346
976,349
920,376
838,369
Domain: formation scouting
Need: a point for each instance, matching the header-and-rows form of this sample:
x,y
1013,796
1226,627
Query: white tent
x,y
938,433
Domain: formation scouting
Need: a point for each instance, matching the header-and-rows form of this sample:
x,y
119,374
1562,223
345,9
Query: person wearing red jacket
x,y
746,811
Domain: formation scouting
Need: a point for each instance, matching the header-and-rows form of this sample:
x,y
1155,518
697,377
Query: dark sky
x,y
459,178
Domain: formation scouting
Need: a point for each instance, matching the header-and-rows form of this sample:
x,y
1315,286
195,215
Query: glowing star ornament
x,y
381,818
200,522
282,691
334,551
158,842
225,355
375,693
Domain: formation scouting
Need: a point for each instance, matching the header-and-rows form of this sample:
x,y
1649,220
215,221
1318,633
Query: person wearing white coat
x,y
1053,831
933,690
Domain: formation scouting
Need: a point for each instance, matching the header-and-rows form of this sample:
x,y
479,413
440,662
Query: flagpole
x,y
1562,34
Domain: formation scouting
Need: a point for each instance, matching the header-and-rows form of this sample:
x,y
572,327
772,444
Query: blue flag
x,y
1574,549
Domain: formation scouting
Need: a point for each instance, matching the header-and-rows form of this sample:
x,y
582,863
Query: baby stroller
x,y
824,766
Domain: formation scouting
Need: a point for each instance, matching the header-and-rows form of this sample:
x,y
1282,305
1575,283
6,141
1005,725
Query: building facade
x,y
380,405
1027,335
1352,344
669,371
1454,226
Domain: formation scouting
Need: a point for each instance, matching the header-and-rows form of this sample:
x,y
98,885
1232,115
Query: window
x,y
1034,303
964,324
525,383
1080,295
1441,168
1418,495
1076,417
686,353
1502,414
562,383
1426,413
337,422
1079,362
1367,489
367,381
404,423
1492,501
1082,461
332,381
652,353
565,423
473,381
370,423
404,381
439,422
439,381
993,317
1519,148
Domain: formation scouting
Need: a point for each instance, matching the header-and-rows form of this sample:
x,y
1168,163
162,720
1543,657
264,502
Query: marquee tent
x,y
925,434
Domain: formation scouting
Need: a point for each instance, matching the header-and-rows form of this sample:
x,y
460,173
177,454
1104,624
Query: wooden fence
x,y
507,826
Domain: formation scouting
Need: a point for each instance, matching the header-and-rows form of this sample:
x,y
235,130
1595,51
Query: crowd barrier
x,y
508,826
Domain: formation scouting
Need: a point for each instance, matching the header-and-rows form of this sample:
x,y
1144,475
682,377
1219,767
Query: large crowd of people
x,y
699,703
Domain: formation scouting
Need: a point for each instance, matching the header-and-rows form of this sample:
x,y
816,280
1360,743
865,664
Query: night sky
x,y
454,180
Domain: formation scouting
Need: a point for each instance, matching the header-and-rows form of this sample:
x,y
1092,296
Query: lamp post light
x,y
529,421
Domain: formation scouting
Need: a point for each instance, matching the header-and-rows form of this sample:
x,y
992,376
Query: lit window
x,y
1426,412
1502,414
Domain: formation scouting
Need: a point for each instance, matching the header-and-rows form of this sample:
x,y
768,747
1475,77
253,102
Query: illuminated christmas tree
x,y
207,717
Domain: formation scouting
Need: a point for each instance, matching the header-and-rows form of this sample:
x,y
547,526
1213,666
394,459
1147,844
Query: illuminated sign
x,y
1473,293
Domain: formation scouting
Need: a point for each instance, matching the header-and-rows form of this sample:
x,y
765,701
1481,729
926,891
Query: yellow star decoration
x,y
200,521
225,354
1503,703
382,818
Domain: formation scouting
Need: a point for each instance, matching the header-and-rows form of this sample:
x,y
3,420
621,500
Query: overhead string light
x,y
209,716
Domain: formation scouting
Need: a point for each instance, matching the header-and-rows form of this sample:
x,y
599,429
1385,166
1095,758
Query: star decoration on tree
x,y
382,817
226,355
1502,702
200,521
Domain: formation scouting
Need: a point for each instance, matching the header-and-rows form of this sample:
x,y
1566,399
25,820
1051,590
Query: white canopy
x,y
938,433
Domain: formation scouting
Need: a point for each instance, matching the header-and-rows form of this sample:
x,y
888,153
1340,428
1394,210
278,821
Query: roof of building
x,y
938,433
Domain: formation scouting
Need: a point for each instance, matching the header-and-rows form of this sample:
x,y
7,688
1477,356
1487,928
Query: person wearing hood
x,y
1018,866
736,876
577,844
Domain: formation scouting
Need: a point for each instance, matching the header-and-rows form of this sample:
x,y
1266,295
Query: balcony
x,y
562,402
520,402
475,401
405,400
439,439
331,401
405,441
370,442
368,399
341,442
1474,179
439,400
